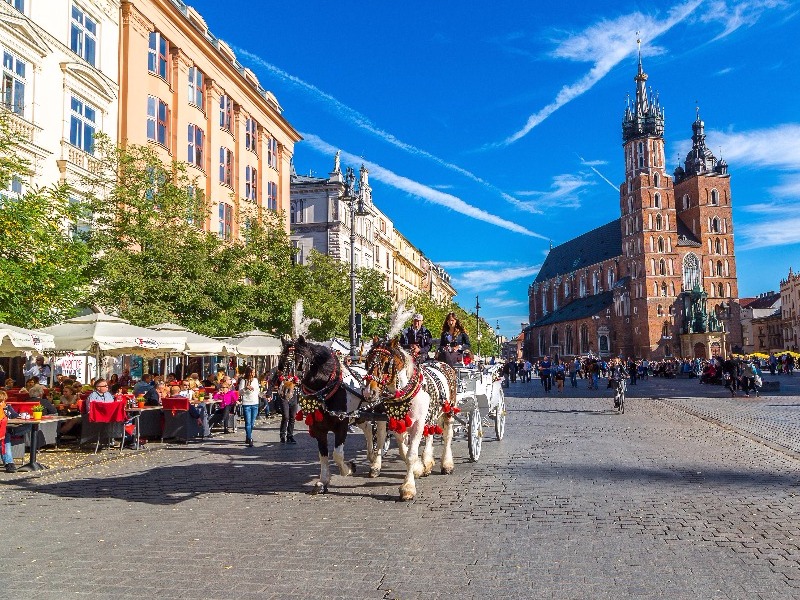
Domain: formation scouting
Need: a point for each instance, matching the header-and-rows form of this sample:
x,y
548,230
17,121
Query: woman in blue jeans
x,y
249,390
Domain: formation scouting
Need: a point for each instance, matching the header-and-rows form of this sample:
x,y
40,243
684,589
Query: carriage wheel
x,y
500,417
475,434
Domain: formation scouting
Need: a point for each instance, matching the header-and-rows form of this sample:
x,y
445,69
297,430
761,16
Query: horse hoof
x,y
319,488
406,496
373,473
447,471
352,467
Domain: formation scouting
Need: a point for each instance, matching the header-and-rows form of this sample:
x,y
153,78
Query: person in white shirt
x,y
39,370
249,390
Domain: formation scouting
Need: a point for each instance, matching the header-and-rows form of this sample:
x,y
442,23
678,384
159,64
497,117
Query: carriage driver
x,y
416,338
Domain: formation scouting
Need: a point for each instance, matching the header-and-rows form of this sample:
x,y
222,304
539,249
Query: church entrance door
x,y
699,350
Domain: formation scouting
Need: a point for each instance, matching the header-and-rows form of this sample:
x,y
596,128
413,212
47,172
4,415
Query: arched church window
x,y
717,247
662,267
714,197
640,155
584,339
566,289
719,268
659,222
715,225
660,311
686,201
664,289
596,283
720,291
555,297
568,340
610,278
665,329
657,200
554,337
583,286
661,244
656,180
630,204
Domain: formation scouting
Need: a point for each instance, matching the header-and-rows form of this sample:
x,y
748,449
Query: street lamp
x,y
497,339
355,201
477,325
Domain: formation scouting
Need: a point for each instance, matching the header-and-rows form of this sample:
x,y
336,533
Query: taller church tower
x,y
649,225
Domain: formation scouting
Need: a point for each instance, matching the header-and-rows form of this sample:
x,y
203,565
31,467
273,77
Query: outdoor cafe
x,y
43,414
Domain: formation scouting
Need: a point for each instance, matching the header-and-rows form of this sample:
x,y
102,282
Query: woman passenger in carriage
x,y
453,341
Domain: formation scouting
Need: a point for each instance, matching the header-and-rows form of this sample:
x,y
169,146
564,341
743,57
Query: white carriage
x,y
481,399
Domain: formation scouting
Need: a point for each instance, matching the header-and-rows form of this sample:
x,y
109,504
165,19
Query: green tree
x,y
42,261
151,260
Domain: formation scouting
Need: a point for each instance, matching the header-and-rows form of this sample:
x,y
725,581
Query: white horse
x,y
394,380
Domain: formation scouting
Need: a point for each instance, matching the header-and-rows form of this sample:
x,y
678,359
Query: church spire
x,y
646,117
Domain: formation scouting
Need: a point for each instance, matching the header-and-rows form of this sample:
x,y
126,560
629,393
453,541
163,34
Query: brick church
x,y
658,282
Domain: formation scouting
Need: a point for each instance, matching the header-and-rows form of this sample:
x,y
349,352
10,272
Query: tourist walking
x,y
249,390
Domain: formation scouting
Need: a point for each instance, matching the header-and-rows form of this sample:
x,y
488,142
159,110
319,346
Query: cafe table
x,y
33,464
136,414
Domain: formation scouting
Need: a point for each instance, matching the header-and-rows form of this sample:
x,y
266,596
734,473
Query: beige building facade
x,y
183,92
790,309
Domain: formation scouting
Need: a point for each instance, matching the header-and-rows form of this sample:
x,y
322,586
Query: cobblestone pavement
x,y
576,502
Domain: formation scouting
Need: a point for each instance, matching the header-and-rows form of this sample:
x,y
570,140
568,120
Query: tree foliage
x,y
41,260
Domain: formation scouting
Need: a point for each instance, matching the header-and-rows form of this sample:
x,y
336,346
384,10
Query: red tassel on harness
x,y
426,431
309,420
438,430
401,427
456,410
318,415
299,416
392,424
446,407
408,420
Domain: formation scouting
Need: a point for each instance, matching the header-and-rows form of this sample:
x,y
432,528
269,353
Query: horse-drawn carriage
x,y
480,396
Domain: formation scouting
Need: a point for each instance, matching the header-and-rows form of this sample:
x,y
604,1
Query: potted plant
x,y
140,401
36,411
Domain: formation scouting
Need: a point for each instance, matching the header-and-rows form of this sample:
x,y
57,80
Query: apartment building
x,y
183,92
59,83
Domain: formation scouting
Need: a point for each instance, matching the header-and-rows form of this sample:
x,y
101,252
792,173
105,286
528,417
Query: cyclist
x,y
616,379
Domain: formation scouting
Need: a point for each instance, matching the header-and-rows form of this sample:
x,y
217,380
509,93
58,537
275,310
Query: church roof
x,y
588,249
686,237
578,309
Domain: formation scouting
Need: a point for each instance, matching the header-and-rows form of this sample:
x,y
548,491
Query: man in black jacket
x,y
416,338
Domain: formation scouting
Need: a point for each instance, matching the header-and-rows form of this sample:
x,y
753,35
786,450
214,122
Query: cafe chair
x,y
106,421
178,423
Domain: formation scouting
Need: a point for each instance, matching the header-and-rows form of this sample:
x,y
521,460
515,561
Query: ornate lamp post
x,y
497,340
477,326
355,201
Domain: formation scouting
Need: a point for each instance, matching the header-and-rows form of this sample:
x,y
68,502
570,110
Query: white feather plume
x,y
399,318
301,325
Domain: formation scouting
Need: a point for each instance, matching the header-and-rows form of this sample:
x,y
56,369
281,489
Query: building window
x,y
662,267
272,152
158,55
714,226
665,330
226,166
14,83
657,200
555,297
584,339
659,222
719,291
630,204
83,35
225,221
225,113
251,135
661,244
250,183
640,155
568,340
196,88
714,197
272,197
195,148
582,286
686,201
566,289
157,120
691,271
82,125
296,212
18,4
719,268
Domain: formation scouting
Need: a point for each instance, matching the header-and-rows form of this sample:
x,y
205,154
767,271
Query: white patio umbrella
x,y
337,345
16,341
256,343
113,336
197,344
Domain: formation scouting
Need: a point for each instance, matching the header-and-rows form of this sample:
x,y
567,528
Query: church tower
x,y
703,194
649,227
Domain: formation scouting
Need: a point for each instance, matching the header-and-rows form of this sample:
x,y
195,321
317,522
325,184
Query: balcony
x,y
18,126
77,157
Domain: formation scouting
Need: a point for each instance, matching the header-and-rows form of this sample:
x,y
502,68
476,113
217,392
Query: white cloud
x,y
504,303
470,264
781,231
776,147
564,192
420,190
487,279
736,14
605,44
361,121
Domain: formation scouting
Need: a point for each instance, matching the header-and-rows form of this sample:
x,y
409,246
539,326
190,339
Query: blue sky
x,y
492,129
